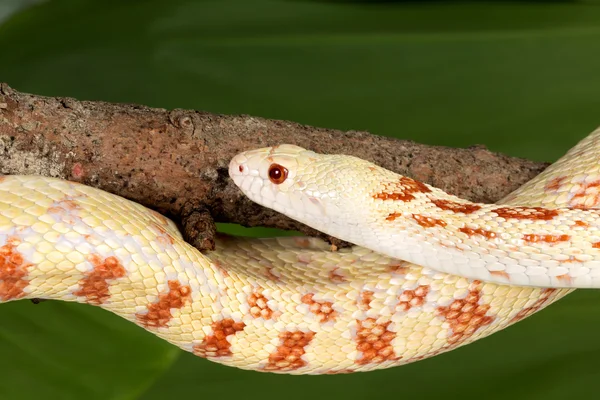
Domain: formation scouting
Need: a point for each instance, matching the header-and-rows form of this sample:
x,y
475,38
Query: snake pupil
x,y
277,173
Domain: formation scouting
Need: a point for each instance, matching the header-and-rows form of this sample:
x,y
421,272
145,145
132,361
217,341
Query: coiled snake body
x,y
290,305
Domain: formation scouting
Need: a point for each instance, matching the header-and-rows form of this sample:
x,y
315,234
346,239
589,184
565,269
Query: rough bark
x,y
175,161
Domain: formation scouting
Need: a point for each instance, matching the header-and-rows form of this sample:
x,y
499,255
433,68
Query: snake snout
x,y
244,170
237,167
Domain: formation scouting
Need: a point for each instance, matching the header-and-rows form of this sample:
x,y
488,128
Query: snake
x,y
357,201
292,305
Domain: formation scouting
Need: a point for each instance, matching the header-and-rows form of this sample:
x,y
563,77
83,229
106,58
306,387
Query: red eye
x,y
277,173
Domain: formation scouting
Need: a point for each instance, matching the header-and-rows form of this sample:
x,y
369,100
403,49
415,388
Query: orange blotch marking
x,y
66,209
393,216
588,196
335,277
500,274
161,218
554,184
258,305
402,190
374,341
159,313
581,224
539,303
366,298
572,259
478,231
95,284
596,245
428,222
322,309
532,238
413,298
217,345
466,316
162,236
219,266
268,273
465,208
398,268
565,278
63,206
13,271
288,355
532,213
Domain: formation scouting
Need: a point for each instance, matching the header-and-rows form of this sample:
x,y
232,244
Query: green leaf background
x,y
522,78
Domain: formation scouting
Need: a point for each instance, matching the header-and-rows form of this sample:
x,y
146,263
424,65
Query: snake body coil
x,y
286,305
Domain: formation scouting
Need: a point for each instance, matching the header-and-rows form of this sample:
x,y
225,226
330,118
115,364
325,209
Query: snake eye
x,y
277,173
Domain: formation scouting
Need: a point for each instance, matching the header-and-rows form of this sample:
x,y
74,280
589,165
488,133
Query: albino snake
x,y
290,305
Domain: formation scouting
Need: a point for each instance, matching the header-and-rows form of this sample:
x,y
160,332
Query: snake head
x,y
291,180
319,190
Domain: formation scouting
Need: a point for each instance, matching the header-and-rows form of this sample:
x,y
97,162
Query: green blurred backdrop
x,y
521,77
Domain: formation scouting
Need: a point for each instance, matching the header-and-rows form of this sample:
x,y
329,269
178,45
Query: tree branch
x,y
176,161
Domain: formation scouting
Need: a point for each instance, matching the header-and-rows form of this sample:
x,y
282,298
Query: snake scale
x,y
291,305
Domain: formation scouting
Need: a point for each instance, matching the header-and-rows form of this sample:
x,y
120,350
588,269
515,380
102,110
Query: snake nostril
x,y
241,168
